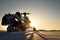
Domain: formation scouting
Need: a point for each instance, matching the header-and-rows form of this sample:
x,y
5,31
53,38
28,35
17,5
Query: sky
x,y
45,14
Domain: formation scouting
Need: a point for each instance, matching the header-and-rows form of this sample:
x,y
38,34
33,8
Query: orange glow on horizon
x,y
3,27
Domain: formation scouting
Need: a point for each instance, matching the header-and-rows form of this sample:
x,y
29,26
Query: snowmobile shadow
x,y
41,35
31,36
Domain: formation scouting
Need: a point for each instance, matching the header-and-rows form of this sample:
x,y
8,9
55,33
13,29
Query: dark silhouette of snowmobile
x,y
15,22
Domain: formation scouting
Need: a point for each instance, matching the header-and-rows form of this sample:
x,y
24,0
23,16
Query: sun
x,y
33,23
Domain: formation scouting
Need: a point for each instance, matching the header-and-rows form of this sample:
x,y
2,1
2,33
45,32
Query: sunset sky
x,y
45,14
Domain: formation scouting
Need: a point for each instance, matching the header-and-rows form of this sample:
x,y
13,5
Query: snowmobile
x,y
14,25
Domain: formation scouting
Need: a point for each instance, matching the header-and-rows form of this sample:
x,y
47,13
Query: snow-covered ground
x,y
30,35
